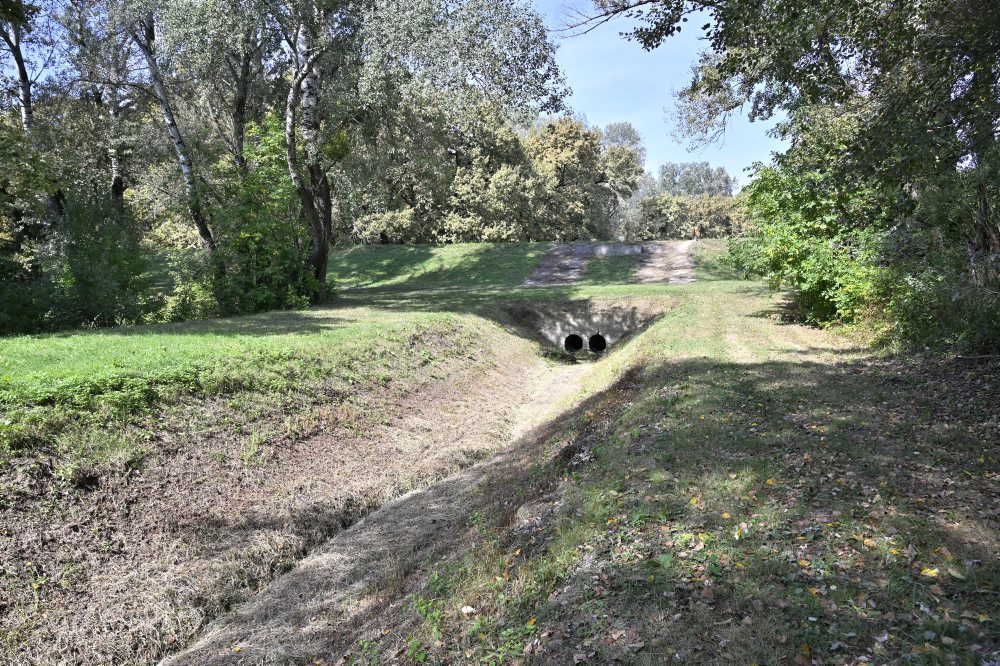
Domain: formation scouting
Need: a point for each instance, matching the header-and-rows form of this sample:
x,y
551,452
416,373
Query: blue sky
x,y
614,79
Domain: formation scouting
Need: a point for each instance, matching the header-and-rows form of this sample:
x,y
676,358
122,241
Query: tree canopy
x,y
886,201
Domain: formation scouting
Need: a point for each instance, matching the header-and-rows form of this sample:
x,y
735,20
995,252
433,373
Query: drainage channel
x,y
584,326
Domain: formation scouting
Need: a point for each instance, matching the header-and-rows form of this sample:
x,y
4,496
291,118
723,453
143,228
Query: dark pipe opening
x,y
597,343
573,343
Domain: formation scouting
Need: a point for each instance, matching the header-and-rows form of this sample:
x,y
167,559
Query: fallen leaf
x,y
929,572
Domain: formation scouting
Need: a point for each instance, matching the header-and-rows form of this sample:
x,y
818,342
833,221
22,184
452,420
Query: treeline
x,y
487,180
883,210
162,160
686,200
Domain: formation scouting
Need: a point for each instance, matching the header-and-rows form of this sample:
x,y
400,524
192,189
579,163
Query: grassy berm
x,y
724,487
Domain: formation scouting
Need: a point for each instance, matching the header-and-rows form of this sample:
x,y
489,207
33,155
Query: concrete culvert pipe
x,y
573,343
597,343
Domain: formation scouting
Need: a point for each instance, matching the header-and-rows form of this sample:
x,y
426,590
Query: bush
x,y
262,260
799,234
84,267
96,266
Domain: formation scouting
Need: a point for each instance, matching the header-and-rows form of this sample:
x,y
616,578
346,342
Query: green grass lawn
x,y
53,382
464,265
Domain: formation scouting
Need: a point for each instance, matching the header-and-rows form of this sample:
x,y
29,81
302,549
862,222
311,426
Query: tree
x,y
625,135
695,179
567,157
895,103
497,49
12,11
144,34
15,31
284,125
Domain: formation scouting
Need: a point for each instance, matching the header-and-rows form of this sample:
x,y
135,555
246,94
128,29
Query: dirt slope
x,y
668,262
211,519
313,608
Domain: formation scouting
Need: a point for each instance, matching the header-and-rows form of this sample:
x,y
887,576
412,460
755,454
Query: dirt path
x,y
311,608
671,262
659,262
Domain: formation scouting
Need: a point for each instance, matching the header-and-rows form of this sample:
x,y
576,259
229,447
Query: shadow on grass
x,y
834,505
407,267
747,510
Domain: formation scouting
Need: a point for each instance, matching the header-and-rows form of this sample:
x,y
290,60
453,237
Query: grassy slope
x,y
483,265
71,393
758,492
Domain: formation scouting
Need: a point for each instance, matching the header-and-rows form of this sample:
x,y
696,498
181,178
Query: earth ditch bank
x,y
127,564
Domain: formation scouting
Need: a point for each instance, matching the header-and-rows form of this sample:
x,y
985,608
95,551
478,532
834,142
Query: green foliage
x,y
681,217
25,183
189,300
86,270
799,237
418,180
96,267
265,257
576,197
885,205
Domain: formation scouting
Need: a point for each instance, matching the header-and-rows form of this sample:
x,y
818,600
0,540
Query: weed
x,y
251,452
367,654
417,651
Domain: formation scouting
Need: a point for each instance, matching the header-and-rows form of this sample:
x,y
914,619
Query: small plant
x,y
367,655
431,612
38,581
416,651
250,451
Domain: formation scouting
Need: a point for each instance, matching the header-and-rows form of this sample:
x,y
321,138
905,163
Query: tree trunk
x,y
988,234
240,100
115,152
146,44
316,195
12,37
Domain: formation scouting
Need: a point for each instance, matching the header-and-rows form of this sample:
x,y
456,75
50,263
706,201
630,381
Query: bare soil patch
x,y
345,592
659,262
671,262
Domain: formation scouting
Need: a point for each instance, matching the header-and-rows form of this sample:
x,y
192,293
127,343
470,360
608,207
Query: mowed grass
x,y
610,270
53,382
462,265
751,492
